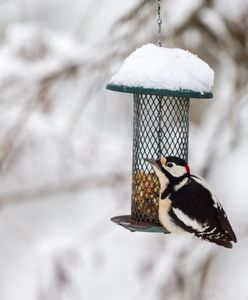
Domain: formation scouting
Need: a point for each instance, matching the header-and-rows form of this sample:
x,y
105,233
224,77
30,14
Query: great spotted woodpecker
x,y
187,203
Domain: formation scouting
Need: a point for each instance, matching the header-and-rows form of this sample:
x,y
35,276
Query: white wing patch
x,y
188,221
208,232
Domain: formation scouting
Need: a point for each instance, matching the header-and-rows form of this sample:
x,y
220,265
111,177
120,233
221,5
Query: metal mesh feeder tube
x,y
160,128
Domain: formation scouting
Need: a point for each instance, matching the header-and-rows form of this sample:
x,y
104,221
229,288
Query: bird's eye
x,y
169,165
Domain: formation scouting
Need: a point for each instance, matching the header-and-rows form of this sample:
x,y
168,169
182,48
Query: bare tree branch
x,y
62,188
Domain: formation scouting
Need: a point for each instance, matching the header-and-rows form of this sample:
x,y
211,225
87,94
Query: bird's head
x,y
171,171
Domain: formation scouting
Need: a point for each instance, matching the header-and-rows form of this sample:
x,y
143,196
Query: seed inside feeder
x,y
145,197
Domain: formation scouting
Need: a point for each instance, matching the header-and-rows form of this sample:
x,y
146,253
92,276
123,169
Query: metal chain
x,y
159,21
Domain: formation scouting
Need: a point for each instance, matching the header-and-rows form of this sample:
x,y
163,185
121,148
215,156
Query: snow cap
x,y
155,67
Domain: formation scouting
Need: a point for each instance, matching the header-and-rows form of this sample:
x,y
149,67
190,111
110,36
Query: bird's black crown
x,y
177,160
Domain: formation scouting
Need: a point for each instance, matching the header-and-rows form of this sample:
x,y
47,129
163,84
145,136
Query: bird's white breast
x,y
165,219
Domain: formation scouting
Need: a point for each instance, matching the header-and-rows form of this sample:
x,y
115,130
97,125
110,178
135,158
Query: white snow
x,y
163,68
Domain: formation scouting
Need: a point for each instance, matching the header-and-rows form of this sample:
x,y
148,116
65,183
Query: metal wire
x,y
160,128
159,21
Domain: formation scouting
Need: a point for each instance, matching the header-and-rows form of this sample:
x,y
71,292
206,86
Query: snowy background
x,y
65,151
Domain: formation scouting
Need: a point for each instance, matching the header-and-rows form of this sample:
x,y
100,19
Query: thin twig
x,y
66,187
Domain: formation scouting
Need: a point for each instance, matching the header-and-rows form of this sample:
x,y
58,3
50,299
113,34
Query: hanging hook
x,y
159,21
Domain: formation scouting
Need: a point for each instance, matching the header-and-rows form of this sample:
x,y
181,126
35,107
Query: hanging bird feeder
x,y
162,81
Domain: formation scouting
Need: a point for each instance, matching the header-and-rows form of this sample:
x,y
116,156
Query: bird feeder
x,y
162,82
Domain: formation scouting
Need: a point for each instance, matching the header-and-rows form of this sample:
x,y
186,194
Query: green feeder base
x,y
126,222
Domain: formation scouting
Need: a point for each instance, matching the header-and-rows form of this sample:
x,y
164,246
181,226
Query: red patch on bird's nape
x,y
187,169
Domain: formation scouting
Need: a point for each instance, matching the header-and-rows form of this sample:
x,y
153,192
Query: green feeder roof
x,y
159,92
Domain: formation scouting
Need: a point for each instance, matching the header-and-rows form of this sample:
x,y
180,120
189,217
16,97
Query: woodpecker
x,y
187,204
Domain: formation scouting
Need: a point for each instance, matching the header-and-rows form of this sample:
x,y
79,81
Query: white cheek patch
x,y
177,171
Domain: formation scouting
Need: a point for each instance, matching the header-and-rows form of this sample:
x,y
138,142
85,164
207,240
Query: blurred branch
x,y
50,190
8,146
204,270
133,14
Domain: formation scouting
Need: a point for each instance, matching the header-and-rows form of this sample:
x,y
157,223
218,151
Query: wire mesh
x,y
160,128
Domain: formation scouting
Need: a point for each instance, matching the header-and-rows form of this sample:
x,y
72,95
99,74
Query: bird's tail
x,y
225,243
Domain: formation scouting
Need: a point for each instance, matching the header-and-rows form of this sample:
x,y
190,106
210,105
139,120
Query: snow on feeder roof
x,y
163,71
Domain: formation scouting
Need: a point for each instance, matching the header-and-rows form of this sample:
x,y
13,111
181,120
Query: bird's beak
x,y
153,162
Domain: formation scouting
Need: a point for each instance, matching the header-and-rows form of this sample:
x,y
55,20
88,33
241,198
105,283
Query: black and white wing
x,y
196,210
